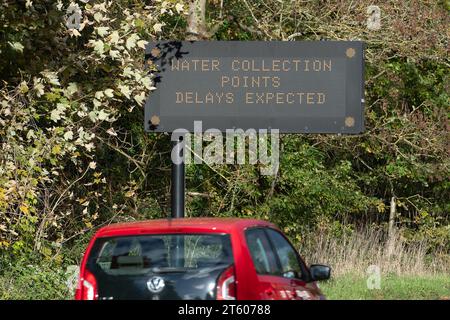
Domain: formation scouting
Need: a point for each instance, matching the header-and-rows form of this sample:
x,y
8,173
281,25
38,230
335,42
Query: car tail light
x,y
226,285
87,288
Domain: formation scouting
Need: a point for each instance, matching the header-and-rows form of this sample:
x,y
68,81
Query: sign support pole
x,y
177,191
178,181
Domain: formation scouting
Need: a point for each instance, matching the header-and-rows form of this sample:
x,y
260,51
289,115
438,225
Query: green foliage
x,y
27,281
61,120
74,155
312,190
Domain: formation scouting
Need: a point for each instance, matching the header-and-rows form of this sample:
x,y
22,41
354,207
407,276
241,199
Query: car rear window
x,y
137,255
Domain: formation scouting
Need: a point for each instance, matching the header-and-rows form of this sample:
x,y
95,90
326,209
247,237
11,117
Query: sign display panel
x,y
295,87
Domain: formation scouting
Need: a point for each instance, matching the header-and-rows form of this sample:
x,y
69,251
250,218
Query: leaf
x,y
158,27
140,98
24,209
52,97
98,45
71,89
17,46
51,77
97,103
111,132
46,251
23,87
98,16
93,116
89,146
142,43
147,82
114,54
62,106
30,134
179,7
127,72
55,115
56,149
68,135
99,95
75,33
381,207
125,90
129,193
38,86
131,41
102,115
102,31
114,37
109,93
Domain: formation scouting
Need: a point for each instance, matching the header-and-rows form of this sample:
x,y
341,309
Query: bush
x,y
20,281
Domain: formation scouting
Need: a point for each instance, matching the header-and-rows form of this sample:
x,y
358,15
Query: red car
x,y
196,258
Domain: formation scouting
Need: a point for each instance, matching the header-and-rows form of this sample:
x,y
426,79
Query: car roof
x,y
181,225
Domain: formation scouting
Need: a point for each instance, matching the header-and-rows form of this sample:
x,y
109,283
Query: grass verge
x,y
392,287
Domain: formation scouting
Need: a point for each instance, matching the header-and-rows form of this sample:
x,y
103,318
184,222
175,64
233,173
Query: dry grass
x,y
354,253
